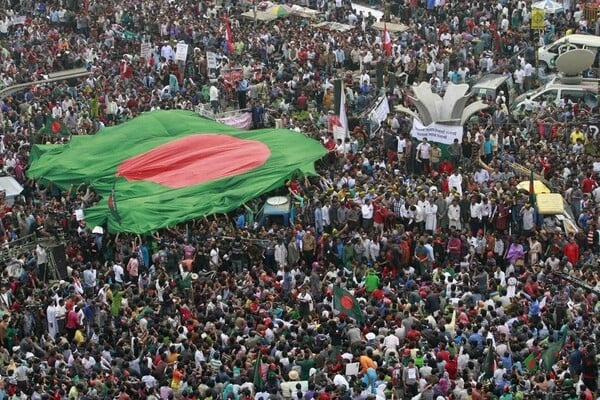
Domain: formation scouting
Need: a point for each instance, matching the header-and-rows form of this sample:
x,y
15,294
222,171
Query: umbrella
x,y
279,11
538,187
549,6
99,230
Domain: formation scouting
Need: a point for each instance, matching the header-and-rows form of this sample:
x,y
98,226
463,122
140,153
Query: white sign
x,y
79,215
20,20
211,60
381,110
181,52
146,50
437,132
352,369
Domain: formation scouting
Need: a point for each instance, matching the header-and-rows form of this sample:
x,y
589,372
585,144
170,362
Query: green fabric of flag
x,y
257,380
489,364
550,355
344,302
115,305
54,127
166,167
530,362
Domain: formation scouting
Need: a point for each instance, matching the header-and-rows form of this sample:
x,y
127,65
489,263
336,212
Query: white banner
x,y
181,52
146,50
381,110
20,20
437,132
211,60
240,121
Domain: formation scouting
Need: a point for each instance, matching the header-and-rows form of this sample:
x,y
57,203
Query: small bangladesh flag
x,y
168,167
257,380
489,363
531,363
551,354
55,127
344,302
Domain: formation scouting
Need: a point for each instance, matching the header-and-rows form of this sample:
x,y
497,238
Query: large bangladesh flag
x,y
344,302
166,167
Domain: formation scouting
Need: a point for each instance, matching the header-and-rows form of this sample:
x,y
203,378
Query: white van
x,y
558,91
489,87
547,54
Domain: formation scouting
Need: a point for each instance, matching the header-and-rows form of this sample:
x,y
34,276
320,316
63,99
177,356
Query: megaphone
x,y
590,100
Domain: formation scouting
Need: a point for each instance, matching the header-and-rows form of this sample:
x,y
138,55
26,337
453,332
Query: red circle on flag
x,y
55,126
346,302
195,159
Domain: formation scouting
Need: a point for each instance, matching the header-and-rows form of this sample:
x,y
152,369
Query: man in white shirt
x,y
455,182
367,214
424,155
481,177
476,216
213,95
454,215
527,75
118,271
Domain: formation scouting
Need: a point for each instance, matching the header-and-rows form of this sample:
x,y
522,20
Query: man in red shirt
x,y
571,251
588,184
302,101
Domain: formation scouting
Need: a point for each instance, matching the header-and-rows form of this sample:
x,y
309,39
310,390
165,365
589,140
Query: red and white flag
x,y
387,41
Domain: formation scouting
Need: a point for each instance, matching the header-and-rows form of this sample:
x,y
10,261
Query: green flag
x,y
115,305
530,362
489,364
344,302
54,127
550,355
257,380
168,167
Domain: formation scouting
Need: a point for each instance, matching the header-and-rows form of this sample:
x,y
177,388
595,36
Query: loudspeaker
x,y
59,254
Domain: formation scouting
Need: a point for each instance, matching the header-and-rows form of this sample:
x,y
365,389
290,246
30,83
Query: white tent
x,y
549,6
390,27
11,189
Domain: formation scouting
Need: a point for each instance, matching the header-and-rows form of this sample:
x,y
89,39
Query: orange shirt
x,y
177,377
366,362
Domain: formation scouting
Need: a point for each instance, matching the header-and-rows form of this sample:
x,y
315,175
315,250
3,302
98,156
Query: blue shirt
x,y
240,222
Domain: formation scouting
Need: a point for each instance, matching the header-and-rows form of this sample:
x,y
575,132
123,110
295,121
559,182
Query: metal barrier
x,y
17,247
577,282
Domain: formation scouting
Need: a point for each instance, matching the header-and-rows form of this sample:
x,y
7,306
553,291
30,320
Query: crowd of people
x,y
465,291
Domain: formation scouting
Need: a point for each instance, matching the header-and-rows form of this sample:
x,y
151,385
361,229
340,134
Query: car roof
x,y
491,81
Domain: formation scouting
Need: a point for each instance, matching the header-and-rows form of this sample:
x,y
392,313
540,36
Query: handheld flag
x,y
344,302
257,380
55,127
228,37
489,364
340,124
550,355
530,362
387,41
